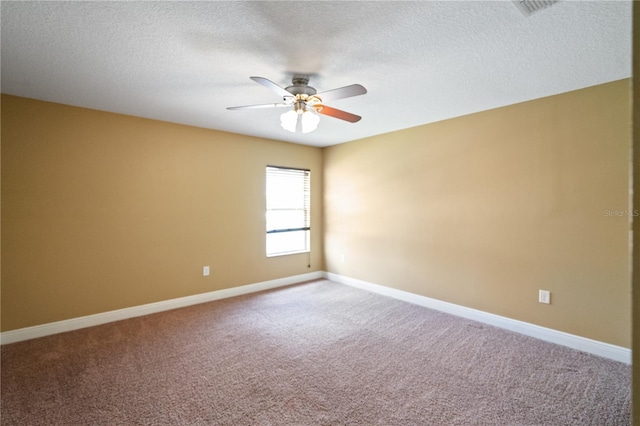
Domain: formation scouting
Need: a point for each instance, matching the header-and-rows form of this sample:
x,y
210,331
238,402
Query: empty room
x,y
317,213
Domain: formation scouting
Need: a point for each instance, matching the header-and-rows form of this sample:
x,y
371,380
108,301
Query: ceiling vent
x,y
529,7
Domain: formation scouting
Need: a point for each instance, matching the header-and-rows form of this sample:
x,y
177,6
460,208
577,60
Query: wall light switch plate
x,y
205,271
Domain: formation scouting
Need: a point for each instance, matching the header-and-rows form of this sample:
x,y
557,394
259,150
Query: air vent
x,y
529,7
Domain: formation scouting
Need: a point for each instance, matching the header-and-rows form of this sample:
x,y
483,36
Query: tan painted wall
x,y
485,209
103,211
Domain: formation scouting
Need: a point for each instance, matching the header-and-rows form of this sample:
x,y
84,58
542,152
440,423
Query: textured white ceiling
x,y
421,62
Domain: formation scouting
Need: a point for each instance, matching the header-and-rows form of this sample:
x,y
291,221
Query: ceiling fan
x,y
305,103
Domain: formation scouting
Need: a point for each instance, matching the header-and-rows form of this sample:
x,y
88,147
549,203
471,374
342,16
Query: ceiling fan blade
x,y
341,93
271,86
336,113
259,106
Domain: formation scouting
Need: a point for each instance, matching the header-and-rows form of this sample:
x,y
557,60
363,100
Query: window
x,y
288,210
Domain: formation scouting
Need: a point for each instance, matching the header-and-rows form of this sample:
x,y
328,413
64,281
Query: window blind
x,y
288,210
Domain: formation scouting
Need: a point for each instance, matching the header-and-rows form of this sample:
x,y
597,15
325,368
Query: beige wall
x,y
103,211
484,210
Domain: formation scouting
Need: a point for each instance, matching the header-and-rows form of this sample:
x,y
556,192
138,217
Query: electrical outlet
x,y
343,257
205,271
544,296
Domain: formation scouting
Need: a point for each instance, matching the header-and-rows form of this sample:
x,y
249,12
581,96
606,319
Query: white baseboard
x,y
151,308
595,347
606,350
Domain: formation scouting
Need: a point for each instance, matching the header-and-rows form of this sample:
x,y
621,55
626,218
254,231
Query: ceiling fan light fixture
x,y
309,121
289,120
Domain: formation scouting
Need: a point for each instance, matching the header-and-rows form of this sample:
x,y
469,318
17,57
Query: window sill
x,y
288,253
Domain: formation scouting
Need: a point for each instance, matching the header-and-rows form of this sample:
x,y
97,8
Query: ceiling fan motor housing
x,y
300,86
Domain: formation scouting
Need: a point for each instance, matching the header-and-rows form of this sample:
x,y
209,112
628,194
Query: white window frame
x,y
288,211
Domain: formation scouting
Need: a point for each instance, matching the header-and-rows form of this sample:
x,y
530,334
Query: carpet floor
x,y
318,353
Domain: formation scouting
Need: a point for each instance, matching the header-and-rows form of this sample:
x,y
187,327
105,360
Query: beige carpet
x,y
319,353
